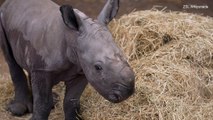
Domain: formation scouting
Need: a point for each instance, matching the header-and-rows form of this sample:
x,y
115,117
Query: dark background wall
x,y
92,7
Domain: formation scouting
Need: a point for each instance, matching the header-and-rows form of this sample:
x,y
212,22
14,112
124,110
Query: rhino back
x,y
35,31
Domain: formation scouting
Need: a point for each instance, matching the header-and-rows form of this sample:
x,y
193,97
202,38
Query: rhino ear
x,y
109,11
70,19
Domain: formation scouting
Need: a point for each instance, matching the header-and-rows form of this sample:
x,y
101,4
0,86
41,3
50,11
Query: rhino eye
x,y
98,67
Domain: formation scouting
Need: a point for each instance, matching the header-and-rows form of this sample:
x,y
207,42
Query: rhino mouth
x,y
120,92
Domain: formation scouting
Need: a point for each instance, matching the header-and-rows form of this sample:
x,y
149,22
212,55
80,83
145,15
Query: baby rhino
x,y
58,43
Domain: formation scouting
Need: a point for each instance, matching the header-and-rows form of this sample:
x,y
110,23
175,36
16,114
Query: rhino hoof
x,y
19,109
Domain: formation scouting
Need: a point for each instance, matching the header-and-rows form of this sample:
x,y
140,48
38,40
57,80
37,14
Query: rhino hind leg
x,y
19,108
22,102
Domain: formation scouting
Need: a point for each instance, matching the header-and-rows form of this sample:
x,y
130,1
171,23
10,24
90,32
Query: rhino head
x,y
103,63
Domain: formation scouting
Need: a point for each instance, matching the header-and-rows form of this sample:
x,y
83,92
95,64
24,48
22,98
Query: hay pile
x,y
172,56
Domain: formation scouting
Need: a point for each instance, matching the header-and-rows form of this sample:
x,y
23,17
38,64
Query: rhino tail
x,y
4,43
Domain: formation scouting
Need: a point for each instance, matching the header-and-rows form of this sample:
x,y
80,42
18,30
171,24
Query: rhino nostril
x,y
126,86
129,88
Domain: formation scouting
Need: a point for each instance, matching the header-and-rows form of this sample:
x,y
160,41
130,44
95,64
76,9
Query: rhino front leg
x,y
74,89
42,95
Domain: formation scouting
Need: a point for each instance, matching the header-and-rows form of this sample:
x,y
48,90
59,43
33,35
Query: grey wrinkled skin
x,y
58,43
